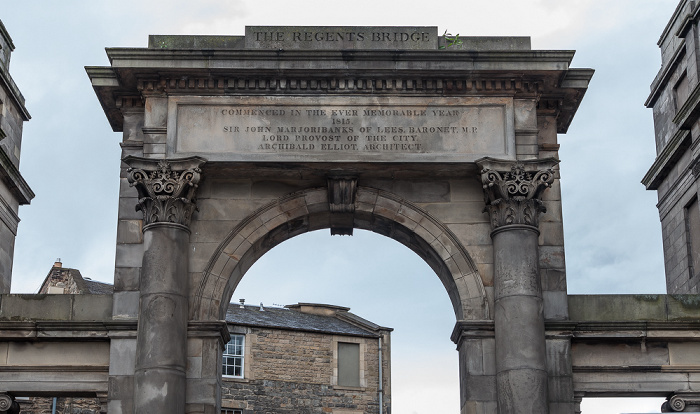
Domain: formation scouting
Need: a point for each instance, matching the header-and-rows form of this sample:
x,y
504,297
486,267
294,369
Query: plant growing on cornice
x,y
451,40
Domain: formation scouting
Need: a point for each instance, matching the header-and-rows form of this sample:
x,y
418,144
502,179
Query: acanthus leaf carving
x,y
513,189
166,188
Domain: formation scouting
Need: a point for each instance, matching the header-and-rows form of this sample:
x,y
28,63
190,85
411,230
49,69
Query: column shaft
x,y
161,356
521,372
512,193
166,191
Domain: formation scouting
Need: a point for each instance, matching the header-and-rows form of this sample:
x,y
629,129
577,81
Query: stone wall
x,y
14,191
674,94
293,372
64,405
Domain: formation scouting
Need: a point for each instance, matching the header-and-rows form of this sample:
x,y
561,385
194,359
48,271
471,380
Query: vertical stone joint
x,y
166,188
513,189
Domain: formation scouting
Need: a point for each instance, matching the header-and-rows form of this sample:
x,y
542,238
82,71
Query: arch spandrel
x,y
308,210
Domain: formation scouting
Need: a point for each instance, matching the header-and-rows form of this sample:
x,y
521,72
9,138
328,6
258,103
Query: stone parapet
x,y
611,308
25,307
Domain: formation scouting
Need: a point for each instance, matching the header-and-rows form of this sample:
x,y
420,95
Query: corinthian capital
x,y
512,189
166,188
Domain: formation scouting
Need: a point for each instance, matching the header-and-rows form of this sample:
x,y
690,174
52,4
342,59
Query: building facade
x,y
305,358
675,100
14,190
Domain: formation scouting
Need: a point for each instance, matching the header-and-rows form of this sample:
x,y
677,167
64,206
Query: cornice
x,y
671,21
12,177
4,33
678,190
467,329
664,74
688,21
144,58
82,330
13,91
667,158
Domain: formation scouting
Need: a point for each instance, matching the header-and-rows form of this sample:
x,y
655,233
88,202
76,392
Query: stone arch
x,y
308,210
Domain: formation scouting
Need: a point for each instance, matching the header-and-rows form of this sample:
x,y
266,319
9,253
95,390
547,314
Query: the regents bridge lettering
x,y
275,36
344,129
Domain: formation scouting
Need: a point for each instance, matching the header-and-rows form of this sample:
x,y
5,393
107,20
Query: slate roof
x,y
97,288
285,318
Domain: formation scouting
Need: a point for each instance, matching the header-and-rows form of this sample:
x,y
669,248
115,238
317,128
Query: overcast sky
x,y
70,158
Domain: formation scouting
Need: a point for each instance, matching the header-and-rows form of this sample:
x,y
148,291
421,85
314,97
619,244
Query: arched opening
x,y
308,210
384,282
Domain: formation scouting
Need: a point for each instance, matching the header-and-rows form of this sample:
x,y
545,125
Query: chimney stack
x,y
58,263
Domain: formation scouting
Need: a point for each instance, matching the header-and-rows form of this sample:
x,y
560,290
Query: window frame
x,y
241,357
363,363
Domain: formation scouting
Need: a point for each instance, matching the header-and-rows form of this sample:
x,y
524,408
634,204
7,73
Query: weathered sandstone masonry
x,y
331,128
452,153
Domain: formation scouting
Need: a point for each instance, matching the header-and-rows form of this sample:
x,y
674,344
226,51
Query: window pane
x,y
348,364
233,357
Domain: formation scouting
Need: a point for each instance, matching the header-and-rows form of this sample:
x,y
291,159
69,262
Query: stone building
x,y
300,358
14,190
675,99
61,280
304,358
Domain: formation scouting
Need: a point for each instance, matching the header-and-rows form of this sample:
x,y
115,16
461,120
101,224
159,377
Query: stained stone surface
x,y
341,129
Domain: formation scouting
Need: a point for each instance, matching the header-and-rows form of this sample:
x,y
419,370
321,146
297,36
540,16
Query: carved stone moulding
x,y
8,404
695,167
341,203
682,402
513,189
340,84
166,188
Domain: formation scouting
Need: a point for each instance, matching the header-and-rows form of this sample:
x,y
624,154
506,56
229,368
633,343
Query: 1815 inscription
x,y
342,131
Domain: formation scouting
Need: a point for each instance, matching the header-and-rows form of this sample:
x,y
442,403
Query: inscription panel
x,y
341,37
342,130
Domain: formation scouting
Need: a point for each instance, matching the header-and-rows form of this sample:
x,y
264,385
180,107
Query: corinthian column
x,y
166,190
512,191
